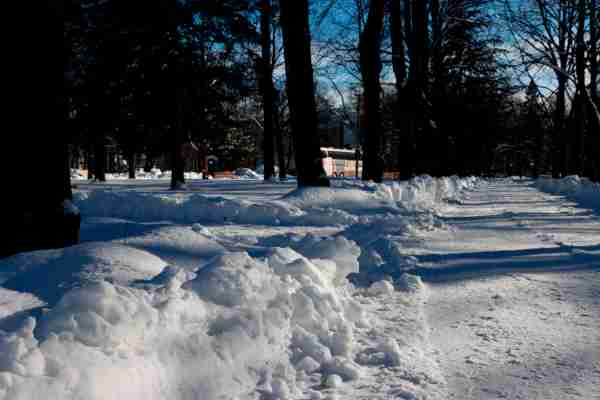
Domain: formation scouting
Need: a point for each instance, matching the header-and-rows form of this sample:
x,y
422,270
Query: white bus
x,y
340,162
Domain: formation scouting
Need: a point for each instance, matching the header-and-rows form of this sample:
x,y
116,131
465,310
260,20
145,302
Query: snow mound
x,y
582,190
247,173
424,192
381,288
356,199
183,246
197,208
49,274
12,302
236,327
343,252
232,279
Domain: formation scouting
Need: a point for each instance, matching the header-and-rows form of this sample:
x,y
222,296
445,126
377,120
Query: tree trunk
x,y
266,85
100,158
405,144
279,144
418,79
301,96
579,154
131,164
177,161
369,48
558,142
440,140
594,125
40,216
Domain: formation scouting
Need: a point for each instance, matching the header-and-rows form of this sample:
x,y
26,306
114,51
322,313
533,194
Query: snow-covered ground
x,y
515,310
241,289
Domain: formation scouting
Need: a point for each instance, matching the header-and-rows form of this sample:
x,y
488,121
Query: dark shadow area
x,y
108,229
234,187
465,266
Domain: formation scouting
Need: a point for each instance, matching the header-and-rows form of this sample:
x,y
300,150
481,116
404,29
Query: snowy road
x,y
502,325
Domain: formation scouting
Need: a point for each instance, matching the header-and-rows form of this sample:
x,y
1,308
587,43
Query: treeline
x,y
472,86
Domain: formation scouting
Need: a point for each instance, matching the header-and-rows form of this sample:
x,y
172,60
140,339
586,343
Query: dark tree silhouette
x,y
300,91
369,48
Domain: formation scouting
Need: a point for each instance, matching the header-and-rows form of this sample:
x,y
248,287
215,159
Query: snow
x,y
243,289
247,173
582,190
513,295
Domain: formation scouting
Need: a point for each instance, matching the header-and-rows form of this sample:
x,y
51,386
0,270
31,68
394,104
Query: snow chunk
x,y
12,302
232,279
343,367
333,381
381,288
409,283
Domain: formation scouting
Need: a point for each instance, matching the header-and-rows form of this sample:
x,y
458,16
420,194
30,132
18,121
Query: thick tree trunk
x,y
267,89
439,140
301,96
419,67
369,48
40,215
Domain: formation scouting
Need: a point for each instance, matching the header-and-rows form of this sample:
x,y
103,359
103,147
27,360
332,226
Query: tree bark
x,y
279,144
177,161
417,81
558,142
406,145
369,48
301,96
267,89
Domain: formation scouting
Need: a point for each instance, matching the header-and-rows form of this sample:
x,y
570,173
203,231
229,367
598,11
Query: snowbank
x,y
118,328
342,205
582,190
49,274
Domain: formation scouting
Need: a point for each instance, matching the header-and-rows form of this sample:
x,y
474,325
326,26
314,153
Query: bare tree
x,y
544,34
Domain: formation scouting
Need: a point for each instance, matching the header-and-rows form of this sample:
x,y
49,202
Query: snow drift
x,y
582,190
216,333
